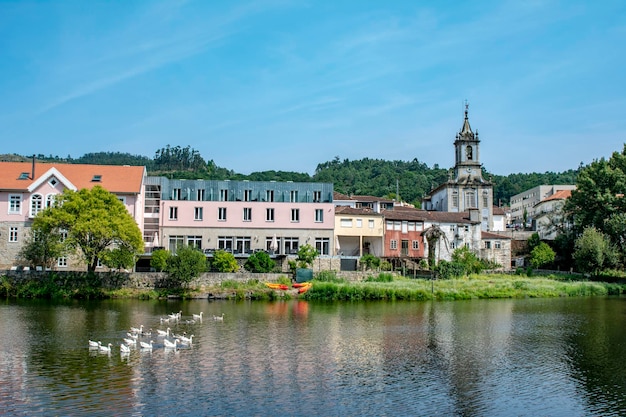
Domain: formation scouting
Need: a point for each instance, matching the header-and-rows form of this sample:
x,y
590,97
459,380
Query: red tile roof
x,y
114,178
355,211
559,195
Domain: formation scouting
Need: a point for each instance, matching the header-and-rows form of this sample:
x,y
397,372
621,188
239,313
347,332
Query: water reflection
x,y
488,358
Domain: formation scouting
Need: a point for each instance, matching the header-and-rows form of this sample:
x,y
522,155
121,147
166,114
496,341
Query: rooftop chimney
x,y
32,173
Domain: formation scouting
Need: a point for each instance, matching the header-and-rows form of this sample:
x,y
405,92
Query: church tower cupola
x,y
467,162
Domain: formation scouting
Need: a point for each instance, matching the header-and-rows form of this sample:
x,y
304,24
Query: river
x,y
539,357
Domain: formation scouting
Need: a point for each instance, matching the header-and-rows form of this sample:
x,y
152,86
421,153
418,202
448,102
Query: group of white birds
x,y
136,333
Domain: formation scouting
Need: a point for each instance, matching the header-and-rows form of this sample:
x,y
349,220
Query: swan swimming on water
x,y
105,349
198,316
130,341
94,345
185,340
220,318
169,344
164,333
145,345
136,330
124,348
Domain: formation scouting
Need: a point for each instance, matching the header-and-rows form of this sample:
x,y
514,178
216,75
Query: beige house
x,y
527,201
548,214
358,231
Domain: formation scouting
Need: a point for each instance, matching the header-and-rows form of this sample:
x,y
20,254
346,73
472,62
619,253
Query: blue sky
x,y
285,85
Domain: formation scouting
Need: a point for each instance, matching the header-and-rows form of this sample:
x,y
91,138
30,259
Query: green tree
x,y
119,258
542,254
471,263
533,241
370,261
96,222
159,258
42,248
306,256
260,262
188,263
592,251
224,262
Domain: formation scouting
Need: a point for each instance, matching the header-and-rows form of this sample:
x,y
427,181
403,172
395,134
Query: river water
x,y
539,357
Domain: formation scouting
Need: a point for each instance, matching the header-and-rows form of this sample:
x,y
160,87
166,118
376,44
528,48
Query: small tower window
x,y
96,178
468,152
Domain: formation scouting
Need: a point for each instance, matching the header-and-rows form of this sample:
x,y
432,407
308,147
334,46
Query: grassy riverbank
x,y
329,288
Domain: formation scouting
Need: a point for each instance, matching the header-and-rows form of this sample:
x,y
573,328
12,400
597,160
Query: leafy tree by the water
x,y
542,254
159,258
259,262
96,222
186,264
370,261
42,247
224,262
593,251
306,256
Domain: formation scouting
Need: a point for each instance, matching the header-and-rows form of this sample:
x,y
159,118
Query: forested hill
x,y
375,177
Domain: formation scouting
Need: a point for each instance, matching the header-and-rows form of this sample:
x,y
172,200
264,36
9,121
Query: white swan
x,y
220,318
169,344
124,348
132,335
137,330
185,340
145,345
198,316
164,320
175,316
94,345
164,333
130,341
105,349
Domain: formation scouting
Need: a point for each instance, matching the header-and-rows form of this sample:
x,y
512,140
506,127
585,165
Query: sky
x,y
288,84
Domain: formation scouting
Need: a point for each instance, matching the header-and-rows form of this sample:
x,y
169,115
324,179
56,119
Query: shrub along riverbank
x,y
326,287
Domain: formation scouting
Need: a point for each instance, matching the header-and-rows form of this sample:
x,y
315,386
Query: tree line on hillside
x,y
405,180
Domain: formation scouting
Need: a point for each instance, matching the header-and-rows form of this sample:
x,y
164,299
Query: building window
x,y
359,223
317,196
322,245
247,195
404,248
53,182
487,245
295,215
485,200
346,222
268,245
176,193
319,215
99,263
200,194
197,213
225,243
173,213
416,244
389,225
50,200
15,204
243,244
393,244
455,200
223,195
397,225
247,214
293,196
62,262
269,215
13,234
498,244
269,195
36,204
291,245
175,242
470,199
221,214
370,223
63,235
194,242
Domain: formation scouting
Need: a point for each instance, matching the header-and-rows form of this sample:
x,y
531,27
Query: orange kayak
x,y
276,286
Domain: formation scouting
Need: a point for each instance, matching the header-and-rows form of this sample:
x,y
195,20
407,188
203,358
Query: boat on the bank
x,y
277,286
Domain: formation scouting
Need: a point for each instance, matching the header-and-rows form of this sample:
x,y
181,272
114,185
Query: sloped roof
x,y
490,235
339,196
113,178
559,195
355,211
370,198
409,213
